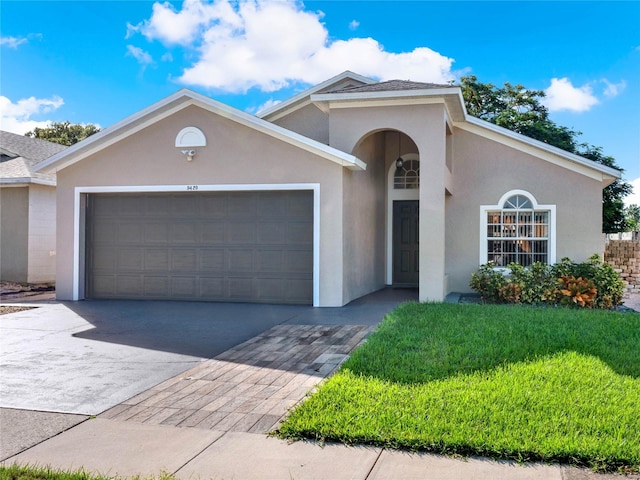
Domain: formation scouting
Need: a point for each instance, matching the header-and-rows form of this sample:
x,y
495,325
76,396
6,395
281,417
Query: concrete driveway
x,y
86,357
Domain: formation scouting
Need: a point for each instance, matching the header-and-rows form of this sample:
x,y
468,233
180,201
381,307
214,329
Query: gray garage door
x,y
209,246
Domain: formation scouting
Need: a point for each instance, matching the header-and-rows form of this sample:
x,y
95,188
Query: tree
x,y
632,217
520,110
64,133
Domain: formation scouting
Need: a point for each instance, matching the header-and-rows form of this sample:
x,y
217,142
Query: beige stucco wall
x,y
425,125
42,234
484,171
364,221
234,155
14,231
309,121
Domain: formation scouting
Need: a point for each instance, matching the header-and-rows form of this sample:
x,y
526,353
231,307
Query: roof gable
x,y
345,80
20,157
176,102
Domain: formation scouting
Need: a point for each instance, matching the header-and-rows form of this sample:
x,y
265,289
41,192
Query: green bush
x,y
592,284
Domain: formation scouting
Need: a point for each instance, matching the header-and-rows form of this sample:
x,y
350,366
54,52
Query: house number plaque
x,y
192,188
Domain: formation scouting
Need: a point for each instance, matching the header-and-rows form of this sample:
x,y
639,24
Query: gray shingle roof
x,y
28,153
392,86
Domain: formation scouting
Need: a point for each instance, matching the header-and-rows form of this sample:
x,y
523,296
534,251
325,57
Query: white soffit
x,y
176,102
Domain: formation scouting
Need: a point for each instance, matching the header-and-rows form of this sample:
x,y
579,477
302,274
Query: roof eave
x,y
301,99
176,102
451,96
608,174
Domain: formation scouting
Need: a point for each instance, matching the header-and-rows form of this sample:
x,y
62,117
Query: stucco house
x,y
344,188
27,210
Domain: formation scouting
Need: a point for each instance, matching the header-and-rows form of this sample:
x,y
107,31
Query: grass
x,y
530,384
15,472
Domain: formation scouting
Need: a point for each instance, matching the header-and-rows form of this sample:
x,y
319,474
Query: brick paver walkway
x,y
250,387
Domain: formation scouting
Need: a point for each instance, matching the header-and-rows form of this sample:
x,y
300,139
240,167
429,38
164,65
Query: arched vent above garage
x,y
191,137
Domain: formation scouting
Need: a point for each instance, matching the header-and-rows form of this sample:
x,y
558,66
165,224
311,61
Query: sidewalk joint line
x,y
374,464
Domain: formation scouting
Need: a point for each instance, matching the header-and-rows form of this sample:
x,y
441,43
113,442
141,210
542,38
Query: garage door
x,y
208,246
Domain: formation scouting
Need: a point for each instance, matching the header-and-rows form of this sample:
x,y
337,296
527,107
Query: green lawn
x,y
15,472
501,381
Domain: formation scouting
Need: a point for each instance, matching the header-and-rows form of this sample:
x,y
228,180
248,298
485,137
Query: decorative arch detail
x,y
190,137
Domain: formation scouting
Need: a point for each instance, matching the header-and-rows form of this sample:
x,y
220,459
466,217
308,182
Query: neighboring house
x,y
191,199
27,210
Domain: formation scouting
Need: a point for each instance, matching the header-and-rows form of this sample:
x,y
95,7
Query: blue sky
x,y
98,62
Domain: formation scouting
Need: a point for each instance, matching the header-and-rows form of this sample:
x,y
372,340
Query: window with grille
x,y
407,176
518,231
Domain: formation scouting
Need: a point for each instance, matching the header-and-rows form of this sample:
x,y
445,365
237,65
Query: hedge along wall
x,y
624,257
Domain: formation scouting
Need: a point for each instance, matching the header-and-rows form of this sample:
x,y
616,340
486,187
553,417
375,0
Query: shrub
x,y
572,291
590,284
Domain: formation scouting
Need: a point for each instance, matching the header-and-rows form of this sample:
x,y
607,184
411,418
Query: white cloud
x,y
16,117
634,198
268,104
142,57
271,44
354,24
613,89
562,95
12,42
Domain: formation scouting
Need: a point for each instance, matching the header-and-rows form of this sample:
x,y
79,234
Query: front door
x,y
405,242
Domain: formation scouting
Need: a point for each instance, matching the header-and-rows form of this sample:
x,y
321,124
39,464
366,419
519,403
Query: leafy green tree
x,y
521,110
632,217
64,133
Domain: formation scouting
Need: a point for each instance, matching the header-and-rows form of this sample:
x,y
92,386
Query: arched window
x,y
407,176
517,230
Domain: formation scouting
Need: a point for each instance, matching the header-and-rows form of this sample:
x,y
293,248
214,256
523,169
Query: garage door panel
x,y
129,285
156,287
214,232
184,232
129,233
241,205
238,288
212,260
271,232
212,246
241,232
269,261
272,206
130,205
158,206
104,285
299,233
156,259
213,287
298,261
131,259
213,206
184,287
185,205
240,260
157,233
184,260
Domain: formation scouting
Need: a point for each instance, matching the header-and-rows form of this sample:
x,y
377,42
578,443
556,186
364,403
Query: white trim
x,y
484,209
315,187
24,181
179,101
392,195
